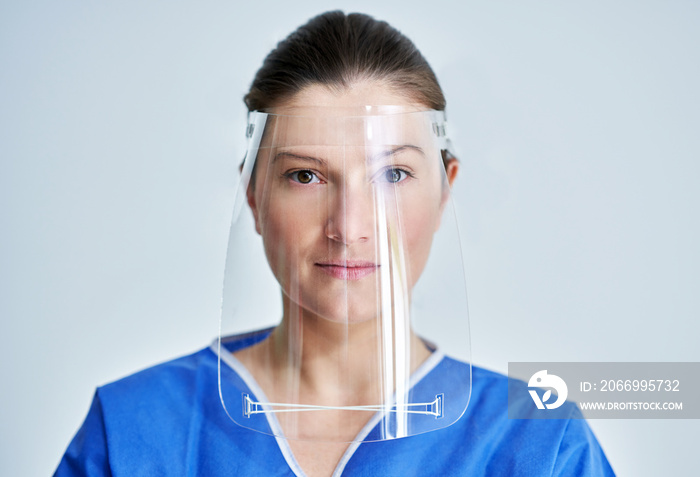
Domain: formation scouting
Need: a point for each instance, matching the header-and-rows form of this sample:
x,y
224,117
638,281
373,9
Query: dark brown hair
x,y
335,49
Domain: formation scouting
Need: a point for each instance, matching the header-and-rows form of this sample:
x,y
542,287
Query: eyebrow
x,y
297,156
397,150
375,158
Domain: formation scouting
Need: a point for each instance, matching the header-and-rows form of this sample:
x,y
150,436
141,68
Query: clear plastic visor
x,y
353,216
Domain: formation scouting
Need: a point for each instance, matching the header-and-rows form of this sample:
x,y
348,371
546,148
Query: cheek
x,y
419,227
289,232
276,230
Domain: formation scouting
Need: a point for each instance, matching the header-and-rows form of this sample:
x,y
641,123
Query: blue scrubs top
x,y
168,420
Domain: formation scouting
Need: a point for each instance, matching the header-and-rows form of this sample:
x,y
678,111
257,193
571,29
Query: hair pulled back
x,y
336,50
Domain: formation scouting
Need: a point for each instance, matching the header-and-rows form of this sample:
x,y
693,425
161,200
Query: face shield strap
x,y
254,128
434,408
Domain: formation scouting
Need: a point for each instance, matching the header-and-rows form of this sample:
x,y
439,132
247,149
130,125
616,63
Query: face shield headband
x,y
344,244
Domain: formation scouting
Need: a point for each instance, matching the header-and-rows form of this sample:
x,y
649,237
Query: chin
x,y
349,315
341,310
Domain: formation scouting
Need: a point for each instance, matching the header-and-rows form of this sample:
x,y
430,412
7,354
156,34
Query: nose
x,y
351,214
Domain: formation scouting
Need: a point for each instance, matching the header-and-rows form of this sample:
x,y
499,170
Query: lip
x,y
348,269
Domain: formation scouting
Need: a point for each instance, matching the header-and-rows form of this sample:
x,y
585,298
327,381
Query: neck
x,y
329,358
308,358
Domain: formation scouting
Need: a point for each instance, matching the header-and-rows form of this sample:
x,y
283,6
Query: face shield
x,y
344,242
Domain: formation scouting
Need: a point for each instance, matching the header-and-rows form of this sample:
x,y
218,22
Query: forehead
x,y
356,94
344,128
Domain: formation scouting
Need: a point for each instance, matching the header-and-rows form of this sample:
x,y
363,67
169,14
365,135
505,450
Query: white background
x,y
122,124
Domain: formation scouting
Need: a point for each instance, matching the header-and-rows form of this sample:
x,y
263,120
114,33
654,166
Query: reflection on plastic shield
x,y
344,243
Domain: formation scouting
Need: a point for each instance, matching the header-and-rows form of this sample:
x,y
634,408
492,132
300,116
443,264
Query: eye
x,y
394,175
303,177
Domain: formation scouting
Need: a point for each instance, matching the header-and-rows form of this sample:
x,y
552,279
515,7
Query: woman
x,y
347,179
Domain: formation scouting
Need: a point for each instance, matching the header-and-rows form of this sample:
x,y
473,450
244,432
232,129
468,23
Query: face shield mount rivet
x,y
439,129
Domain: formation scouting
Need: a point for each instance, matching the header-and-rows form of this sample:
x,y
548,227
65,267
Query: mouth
x,y
348,269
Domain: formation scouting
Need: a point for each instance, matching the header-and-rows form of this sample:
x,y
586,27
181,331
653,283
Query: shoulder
x,y
190,378
162,420
140,418
561,446
172,394
169,380
156,407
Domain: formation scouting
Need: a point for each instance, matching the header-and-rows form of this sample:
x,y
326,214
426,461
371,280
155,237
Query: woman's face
x,y
347,204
